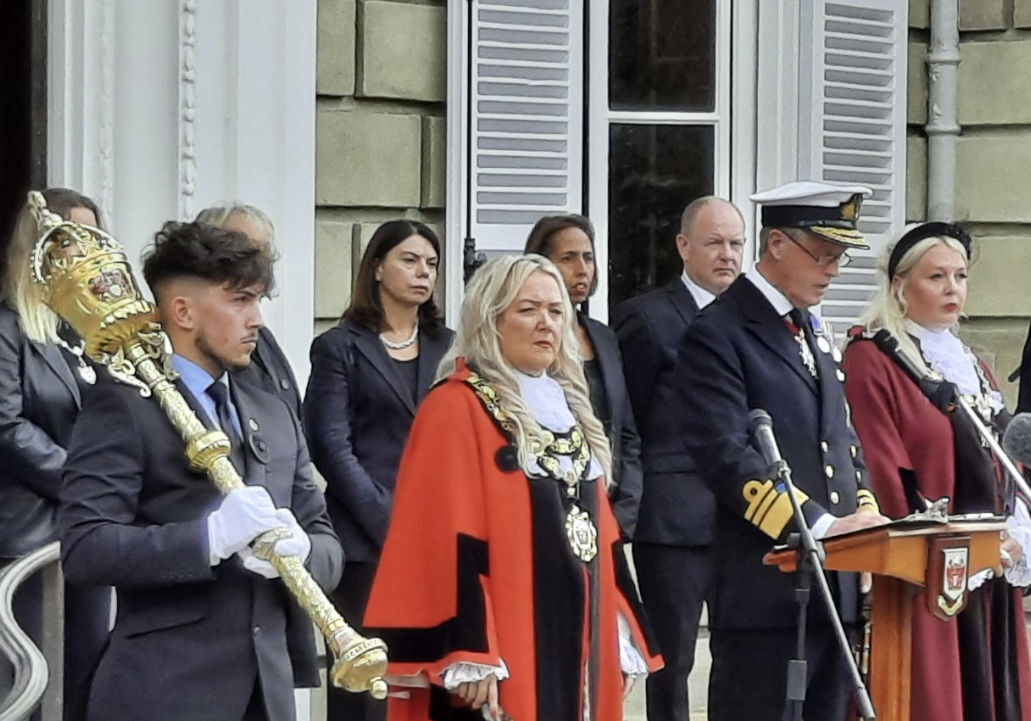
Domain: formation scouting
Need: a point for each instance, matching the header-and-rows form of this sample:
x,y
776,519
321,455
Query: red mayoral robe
x,y
973,667
477,568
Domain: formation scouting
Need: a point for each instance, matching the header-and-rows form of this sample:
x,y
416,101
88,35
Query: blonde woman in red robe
x,y
503,585
975,666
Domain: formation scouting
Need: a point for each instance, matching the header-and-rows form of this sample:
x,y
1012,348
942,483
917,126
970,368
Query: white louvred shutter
x,y
524,119
852,126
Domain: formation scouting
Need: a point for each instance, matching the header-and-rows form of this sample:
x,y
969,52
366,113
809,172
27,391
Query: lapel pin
x,y
252,423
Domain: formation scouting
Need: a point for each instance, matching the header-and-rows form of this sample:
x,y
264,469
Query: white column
x,y
161,107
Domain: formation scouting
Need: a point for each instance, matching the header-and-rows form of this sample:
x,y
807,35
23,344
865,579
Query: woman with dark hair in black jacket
x,y
43,375
368,374
568,242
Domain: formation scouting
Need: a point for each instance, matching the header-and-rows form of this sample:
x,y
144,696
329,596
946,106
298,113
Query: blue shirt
x,y
197,380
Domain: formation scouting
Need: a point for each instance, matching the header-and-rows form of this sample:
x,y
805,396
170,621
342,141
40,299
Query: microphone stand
x,y
810,564
933,389
997,450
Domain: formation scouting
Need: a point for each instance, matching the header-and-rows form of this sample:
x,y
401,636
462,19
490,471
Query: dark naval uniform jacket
x,y
677,507
191,641
737,356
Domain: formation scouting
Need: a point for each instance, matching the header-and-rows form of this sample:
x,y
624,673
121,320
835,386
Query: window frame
x,y
734,130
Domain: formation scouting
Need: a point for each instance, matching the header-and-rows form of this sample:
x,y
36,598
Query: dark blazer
x,y
196,637
622,430
357,414
738,356
677,508
270,371
39,400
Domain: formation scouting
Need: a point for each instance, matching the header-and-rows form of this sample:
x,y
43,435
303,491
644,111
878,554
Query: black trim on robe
x,y
442,707
558,601
464,632
625,583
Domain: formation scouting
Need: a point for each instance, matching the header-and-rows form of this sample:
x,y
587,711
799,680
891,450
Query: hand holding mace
x,y
86,279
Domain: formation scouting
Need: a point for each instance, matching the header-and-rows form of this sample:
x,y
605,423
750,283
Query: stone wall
x,y
993,167
379,131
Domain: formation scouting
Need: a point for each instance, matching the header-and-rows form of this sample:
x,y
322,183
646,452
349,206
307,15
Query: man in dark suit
x,y
758,347
203,631
674,528
269,368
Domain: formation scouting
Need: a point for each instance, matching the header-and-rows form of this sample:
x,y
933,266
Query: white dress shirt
x,y
701,296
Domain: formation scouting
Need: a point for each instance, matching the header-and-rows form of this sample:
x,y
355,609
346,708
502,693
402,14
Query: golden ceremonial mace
x,y
87,280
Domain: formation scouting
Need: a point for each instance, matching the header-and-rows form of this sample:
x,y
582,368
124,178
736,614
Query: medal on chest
x,y
806,353
582,535
580,529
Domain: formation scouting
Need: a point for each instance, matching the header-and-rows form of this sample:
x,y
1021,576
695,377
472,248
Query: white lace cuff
x,y
631,661
1019,527
458,673
978,579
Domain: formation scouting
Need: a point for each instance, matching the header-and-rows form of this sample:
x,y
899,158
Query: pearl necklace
x,y
403,344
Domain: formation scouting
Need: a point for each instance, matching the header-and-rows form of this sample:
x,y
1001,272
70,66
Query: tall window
x,y
659,129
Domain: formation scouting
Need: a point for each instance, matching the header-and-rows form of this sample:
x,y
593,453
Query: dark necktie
x,y
219,393
804,336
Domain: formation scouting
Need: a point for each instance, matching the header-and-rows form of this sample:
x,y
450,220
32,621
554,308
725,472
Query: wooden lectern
x,y
904,557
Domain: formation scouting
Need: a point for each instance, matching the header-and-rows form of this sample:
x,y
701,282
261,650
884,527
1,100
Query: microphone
x,y
760,429
1017,438
942,394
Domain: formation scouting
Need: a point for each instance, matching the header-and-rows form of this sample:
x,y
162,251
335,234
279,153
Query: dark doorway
x,y
23,103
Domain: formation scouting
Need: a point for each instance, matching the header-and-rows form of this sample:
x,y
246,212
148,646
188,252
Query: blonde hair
x,y
492,289
37,320
888,308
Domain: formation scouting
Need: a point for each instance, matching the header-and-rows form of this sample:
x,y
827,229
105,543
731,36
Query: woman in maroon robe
x,y
974,667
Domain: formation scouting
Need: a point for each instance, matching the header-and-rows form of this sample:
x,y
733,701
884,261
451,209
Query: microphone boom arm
x,y
993,444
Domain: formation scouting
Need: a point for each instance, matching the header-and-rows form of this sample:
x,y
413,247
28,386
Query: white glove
x,y
297,544
244,514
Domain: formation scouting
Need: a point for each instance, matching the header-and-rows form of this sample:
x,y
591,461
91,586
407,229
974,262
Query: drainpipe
x,y
942,127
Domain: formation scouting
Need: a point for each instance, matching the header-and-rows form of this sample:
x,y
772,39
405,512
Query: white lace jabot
x,y
546,400
947,354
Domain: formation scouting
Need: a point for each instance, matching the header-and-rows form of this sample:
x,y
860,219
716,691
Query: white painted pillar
x,y
159,108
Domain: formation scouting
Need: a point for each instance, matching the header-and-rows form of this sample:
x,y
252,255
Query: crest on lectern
x,y
947,575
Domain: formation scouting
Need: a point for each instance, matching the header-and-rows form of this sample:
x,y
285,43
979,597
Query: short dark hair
x,y
197,250
542,237
366,308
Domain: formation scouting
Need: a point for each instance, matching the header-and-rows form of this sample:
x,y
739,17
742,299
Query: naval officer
x,y
760,347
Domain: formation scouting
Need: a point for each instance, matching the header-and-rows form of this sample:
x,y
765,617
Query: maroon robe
x,y
975,667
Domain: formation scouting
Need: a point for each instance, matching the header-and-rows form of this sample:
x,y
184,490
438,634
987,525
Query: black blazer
x,y
357,414
677,508
622,430
738,356
270,371
39,400
134,516
649,328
